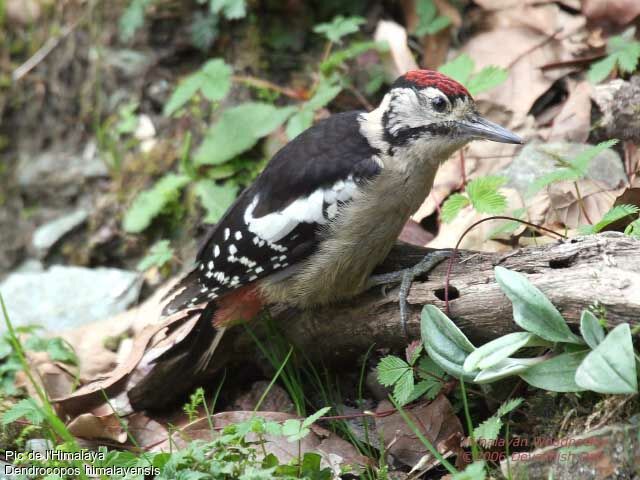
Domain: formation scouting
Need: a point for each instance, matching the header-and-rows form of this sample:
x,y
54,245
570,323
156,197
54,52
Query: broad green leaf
x,y
354,49
429,22
26,408
532,310
590,329
506,368
132,19
159,254
499,349
452,206
238,129
460,68
429,387
484,195
628,57
299,122
184,92
339,27
215,199
216,80
390,369
611,366
203,30
60,351
148,204
444,342
556,374
475,471
325,92
486,79
231,9
403,388
601,69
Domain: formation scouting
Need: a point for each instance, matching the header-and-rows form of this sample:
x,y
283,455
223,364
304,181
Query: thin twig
x,y
581,203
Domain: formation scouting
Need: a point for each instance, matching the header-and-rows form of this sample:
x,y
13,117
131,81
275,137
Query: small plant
x,y
429,21
617,212
595,361
159,255
461,69
482,193
339,27
623,53
489,430
400,374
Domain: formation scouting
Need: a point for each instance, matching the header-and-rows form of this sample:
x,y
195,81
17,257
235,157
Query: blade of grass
x,y
467,415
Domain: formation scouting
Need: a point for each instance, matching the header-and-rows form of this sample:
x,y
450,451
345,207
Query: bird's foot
x,y
405,278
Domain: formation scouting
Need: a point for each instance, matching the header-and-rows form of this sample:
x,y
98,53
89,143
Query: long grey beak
x,y
480,128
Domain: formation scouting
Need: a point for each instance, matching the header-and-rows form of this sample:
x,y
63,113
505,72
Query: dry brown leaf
x,y
90,426
399,58
437,422
146,431
620,12
413,233
565,206
277,399
573,123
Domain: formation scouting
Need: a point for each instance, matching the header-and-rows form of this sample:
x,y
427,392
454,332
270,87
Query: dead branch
x,y
601,270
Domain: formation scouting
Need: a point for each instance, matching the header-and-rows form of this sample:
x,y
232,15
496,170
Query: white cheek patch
x,y
273,227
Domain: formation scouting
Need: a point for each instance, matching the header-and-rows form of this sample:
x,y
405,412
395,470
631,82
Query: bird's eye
x,y
439,104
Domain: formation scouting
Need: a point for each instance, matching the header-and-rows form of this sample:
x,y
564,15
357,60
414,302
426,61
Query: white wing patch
x,y
311,209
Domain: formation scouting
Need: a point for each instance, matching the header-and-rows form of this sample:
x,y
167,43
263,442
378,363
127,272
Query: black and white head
x,y
427,115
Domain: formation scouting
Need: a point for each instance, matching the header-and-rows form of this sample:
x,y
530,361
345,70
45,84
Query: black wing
x,y
274,223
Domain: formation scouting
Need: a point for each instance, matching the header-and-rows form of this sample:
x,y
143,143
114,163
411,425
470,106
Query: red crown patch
x,y
430,78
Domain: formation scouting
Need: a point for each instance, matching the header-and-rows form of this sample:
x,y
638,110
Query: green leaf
x,y
452,206
132,19
532,310
506,368
475,471
582,160
611,366
445,344
429,387
403,388
616,213
148,204
497,350
159,254
325,92
429,22
339,27
215,199
311,419
60,351
556,374
391,369
633,229
355,49
486,79
26,408
231,9
625,50
601,69
490,428
203,30
213,80
238,129
484,195
460,68
590,329
299,122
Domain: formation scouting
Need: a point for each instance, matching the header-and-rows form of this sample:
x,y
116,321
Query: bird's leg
x,y
405,278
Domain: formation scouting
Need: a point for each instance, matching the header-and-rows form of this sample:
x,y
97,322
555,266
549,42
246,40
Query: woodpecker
x,y
329,206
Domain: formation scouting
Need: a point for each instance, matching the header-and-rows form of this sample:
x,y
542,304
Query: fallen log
x,y
601,271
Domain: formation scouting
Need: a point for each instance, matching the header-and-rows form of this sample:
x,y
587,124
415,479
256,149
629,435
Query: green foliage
x,y
482,193
303,118
461,69
429,21
396,372
623,51
633,229
238,129
159,255
618,212
215,198
296,430
489,429
150,203
213,81
571,170
132,18
231,9
474,471
339,27
27,409
196,399
606,364
355,49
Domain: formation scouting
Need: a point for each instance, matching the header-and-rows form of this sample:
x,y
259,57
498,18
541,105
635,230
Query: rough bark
x,y
601,270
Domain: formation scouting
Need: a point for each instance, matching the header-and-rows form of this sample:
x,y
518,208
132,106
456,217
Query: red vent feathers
x,y
430,78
